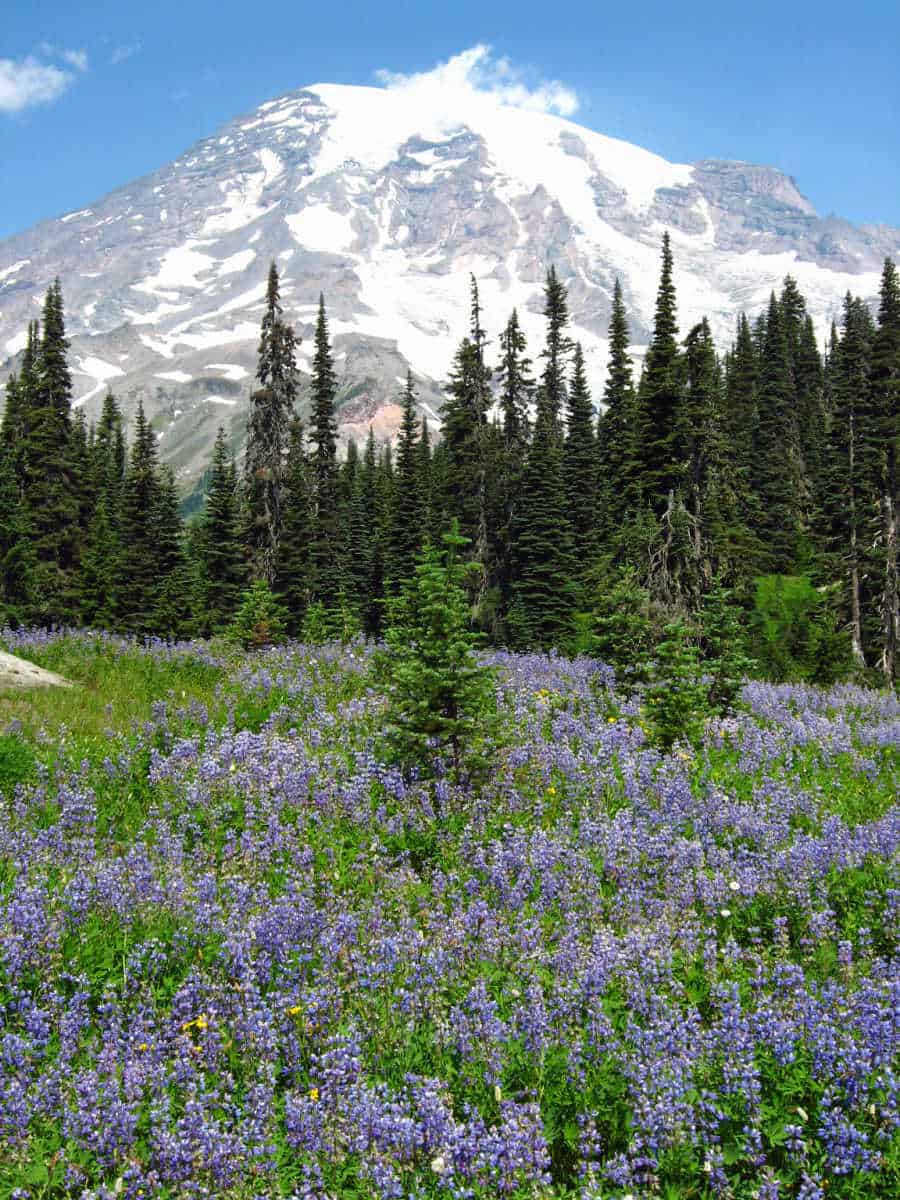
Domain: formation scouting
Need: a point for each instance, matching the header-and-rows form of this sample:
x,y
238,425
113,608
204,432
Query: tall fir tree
x,y
516,387
697,443
463,421
139,532
292,578
172,598
220,550
407,517
617,432
544,594
847,478
884,440
100,578
17,582
423,459
659,469
580,466
776,453
108,454
271,408
47,466
324,550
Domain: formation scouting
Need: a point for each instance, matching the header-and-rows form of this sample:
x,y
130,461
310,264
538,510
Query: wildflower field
x,y
241,957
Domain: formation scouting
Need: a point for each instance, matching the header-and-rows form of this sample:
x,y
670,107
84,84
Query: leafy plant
x,y
677,701
321,624
441,699
261,620
724,647
795,632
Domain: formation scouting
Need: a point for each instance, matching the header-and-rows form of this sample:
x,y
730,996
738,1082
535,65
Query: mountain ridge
x,y
386,207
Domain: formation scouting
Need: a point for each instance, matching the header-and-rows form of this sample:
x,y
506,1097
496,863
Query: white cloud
x,y
473,75
75,58
28,82
125,51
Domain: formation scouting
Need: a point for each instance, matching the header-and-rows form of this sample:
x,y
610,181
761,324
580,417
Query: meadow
x,y
241,956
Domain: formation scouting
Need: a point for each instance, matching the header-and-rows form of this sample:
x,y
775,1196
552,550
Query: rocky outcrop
x,y
388,211
19,674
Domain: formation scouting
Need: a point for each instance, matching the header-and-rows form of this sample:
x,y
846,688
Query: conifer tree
x,y
423,459
516,385
108,455
360,533
172,600
558,347
325,562
407,523
221,555
375,509
659,470
516,394
17,595
543,592
139,510
740,415
101,569
580,465
884,441
697,447
848,482
292,574
441,698
12,429
617,433
271,407
462,419
47,467
776,449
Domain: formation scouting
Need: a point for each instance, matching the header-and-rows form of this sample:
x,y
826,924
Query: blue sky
x,y
94,94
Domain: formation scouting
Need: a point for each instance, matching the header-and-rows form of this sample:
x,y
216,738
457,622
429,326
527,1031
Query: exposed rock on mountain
x,y
386,210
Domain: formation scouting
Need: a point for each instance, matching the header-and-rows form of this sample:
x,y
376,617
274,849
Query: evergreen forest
x,y
761,481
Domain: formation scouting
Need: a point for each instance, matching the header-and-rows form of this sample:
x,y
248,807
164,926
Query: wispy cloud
x,y
26,82
127,50
476,75
75,58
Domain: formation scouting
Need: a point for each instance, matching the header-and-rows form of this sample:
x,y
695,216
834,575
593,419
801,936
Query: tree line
x,y
769,470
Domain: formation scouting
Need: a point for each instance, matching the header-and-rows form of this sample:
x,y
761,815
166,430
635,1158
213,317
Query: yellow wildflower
x,y
551,790
294,1010
143,1046
314,1094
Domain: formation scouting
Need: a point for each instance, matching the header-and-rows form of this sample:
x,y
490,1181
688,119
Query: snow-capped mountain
x,y
387,206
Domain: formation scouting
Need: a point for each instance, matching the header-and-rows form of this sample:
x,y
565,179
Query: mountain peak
x,y
386,199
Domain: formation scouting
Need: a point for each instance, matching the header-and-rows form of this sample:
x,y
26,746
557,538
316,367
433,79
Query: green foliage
x,y
261,620
795,634
271,406
221,552
16,762
441,699
322,624
677,702
619,628
724,647
407,518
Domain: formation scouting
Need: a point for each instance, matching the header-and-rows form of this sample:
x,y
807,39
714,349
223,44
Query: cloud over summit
x,y
475,75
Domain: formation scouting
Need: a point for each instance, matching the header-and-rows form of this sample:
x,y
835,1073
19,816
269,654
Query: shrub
x,y
441,699
260,621
677,701
725,654
795,632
